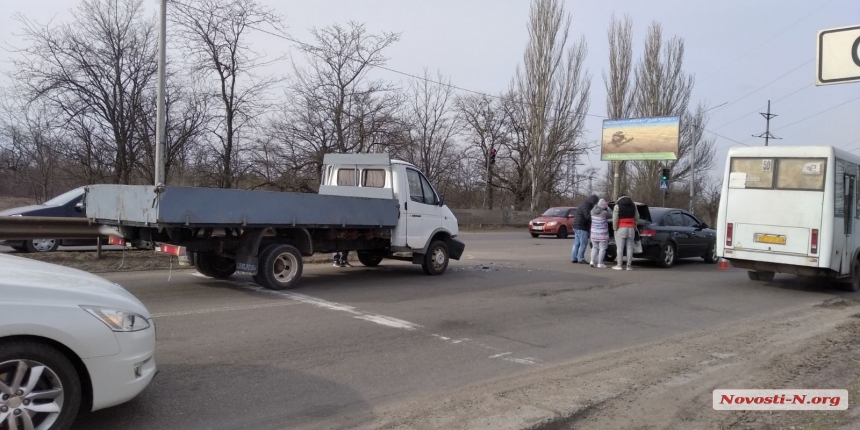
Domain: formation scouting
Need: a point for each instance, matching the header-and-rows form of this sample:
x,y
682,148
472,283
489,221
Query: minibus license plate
x,y
770,238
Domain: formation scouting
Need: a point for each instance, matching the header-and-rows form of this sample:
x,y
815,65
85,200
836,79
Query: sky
x,y
741,52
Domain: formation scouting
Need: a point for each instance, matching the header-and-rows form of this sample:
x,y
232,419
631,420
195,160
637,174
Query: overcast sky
x,y
734,47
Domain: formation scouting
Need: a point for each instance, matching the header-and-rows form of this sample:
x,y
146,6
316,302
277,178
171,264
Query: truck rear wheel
x,y
369,259
436,259
214,266
280,267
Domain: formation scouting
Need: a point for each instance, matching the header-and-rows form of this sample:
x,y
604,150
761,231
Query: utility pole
x,y
766,135
160,126
616,166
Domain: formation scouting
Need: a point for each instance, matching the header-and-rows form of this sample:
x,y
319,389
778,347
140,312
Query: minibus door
x,y
849,182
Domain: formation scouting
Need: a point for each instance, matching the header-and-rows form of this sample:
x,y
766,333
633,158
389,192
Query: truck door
x,y
849,182
423,213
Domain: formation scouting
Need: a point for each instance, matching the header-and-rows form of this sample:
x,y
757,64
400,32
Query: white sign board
x,y
838,56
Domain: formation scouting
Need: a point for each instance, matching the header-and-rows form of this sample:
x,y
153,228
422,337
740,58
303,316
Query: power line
x,y
818,113
773,81
767,41
805,86
314,48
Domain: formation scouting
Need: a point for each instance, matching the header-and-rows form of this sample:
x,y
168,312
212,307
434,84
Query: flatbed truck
x,y
367,203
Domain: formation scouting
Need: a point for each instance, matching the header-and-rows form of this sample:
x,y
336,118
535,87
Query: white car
x,y
69,342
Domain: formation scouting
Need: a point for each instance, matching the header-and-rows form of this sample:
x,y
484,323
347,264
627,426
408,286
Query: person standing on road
x,y
581,229
599,233
341,259
625,217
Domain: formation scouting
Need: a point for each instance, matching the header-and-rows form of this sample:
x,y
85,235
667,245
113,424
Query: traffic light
x,y
493,156
665,175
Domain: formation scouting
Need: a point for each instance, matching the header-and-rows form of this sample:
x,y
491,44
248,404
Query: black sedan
x,y
66,205
668,234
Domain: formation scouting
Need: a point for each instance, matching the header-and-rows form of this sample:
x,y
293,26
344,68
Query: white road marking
x,y
378,319
389,321
224,309
501,355
519,360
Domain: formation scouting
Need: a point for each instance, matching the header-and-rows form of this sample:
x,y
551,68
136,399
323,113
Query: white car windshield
x,y
65,198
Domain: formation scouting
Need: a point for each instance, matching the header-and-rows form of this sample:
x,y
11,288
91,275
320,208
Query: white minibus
x,y
791,209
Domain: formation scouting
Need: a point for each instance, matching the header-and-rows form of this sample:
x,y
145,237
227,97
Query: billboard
x,y
653,138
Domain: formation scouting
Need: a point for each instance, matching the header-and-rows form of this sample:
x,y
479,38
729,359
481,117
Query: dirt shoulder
x,y
665,384
131,260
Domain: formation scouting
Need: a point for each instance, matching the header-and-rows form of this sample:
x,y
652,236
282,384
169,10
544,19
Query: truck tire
x,y
280,267
214,266
369,259
854,284
436,258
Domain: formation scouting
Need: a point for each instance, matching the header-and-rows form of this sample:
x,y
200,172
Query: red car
x,y
555,221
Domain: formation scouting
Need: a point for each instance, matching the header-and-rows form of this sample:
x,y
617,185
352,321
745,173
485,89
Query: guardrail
x,y
31,227
501,217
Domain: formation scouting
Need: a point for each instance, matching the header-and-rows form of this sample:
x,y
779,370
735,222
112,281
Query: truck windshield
x,y
65,198
556,212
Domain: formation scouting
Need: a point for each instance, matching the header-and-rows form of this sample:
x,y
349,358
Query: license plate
x,y
770,238
538,228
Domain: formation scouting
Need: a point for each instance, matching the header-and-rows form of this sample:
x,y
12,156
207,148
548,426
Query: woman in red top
x,y
625,217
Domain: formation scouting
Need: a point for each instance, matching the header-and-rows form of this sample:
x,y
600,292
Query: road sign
x,y
664,185
838,56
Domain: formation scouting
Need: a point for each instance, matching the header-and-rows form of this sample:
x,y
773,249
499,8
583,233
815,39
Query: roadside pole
x,y
616,166
160,126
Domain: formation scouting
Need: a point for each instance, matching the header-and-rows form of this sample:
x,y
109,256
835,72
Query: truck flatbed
x,y
169,206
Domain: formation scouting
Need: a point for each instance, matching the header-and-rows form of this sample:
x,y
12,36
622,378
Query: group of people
x,y
592,222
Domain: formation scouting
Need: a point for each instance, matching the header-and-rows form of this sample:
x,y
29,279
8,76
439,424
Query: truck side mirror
x,y
441,201
79,206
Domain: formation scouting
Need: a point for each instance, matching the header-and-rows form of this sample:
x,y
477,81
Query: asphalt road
x,y
349,340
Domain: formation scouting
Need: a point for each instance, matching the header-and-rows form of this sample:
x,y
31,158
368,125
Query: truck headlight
x,y
118,320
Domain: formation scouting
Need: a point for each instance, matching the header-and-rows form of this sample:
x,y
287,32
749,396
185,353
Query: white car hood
x,y
26,280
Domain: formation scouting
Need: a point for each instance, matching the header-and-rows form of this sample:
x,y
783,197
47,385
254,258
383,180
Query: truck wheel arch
x,y
438,234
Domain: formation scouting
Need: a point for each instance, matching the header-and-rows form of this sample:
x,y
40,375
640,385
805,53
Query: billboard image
x,y
640,139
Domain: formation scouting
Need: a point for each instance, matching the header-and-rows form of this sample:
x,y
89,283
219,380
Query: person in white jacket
x,y
599,233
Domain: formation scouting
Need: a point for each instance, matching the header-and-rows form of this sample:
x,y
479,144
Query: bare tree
x,y
35,141
555,89
333,106
213,35
663,88
187,111
94,71
485,130
433,127
620,90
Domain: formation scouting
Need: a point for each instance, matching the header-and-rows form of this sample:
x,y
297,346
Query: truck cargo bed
x,y
140,205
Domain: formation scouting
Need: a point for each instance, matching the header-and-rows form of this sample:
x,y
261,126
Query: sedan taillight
x,y
648,233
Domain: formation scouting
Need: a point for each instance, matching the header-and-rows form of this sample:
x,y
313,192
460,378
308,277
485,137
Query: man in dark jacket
x,y
581,228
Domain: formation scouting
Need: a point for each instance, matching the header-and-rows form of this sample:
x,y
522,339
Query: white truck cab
x,y
424,217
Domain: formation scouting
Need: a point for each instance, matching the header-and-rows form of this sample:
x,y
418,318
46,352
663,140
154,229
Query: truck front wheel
x,y
280,267
436,259
214,266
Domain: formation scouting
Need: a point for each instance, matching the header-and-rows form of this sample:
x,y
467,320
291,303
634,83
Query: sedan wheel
x,y
42,245
39,388
667,256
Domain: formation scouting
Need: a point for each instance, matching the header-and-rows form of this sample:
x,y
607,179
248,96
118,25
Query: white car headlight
x,y
118,320
551,223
